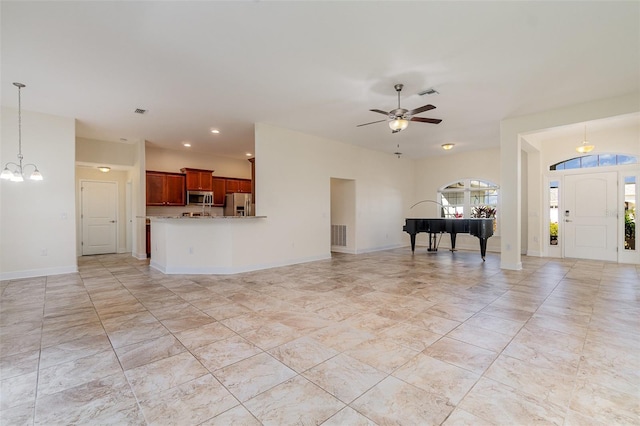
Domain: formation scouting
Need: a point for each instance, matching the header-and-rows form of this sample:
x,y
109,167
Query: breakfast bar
x,y
204,244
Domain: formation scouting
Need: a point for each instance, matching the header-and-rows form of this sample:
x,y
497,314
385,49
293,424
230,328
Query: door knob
x,y
112,221
568,220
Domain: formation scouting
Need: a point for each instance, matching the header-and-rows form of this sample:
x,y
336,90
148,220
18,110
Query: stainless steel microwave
x,y
199,198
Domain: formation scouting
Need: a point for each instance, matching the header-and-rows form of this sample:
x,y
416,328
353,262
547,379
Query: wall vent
x,y
339,235
140,111
430,91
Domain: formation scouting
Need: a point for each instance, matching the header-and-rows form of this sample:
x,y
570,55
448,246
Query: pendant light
x,y
17,175
585,147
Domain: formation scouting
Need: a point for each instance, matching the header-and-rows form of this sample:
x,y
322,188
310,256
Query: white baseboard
x,y
43,272
220,270
511,266
374,249
339,249
139,256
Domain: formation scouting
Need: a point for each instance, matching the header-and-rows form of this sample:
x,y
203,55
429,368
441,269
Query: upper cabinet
x,y
238,185
165,189
198,180
219,190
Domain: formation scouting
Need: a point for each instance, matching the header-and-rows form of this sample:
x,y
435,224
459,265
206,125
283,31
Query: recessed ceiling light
x,y
104,169
447,146
124,139
248,154
186,144
216,131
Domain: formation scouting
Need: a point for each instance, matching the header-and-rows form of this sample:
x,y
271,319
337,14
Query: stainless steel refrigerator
x,y
238,204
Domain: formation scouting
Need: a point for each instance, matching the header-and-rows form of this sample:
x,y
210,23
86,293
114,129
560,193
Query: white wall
x,y
434,172
105,152
138,179
38,219
293,180
168,160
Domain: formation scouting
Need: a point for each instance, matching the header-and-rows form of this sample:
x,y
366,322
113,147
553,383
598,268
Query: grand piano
x,y
481,228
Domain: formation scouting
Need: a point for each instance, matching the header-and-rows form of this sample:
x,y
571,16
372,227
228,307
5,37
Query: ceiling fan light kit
x,y
447,146
398,119
398,124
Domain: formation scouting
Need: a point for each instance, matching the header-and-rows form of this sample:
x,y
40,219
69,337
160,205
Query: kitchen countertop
x,y
202,217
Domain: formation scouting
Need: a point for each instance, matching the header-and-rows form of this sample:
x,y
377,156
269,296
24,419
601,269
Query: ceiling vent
x,y
140,111
429,92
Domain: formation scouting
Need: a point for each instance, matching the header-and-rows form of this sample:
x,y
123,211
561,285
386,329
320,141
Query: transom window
x,y
459,198
600,160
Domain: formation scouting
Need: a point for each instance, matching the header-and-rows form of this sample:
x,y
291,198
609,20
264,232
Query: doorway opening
x,y
99,210
343,215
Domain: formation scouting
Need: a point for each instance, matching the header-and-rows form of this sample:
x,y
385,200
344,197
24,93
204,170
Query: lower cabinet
x,y
148,240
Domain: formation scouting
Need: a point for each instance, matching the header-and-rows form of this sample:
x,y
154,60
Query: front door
x,y
98,217
590,216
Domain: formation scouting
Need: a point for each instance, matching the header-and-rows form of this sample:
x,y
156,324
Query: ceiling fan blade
x,y
379,111
421,109
426,120
373,122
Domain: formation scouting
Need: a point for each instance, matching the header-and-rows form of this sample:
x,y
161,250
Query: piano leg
x,y
413,242
453,241
435,247
483,247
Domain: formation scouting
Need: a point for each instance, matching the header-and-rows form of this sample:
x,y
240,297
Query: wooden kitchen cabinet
x,y
245,185
198,179
165,189
238,185
233,185
219,191
148,240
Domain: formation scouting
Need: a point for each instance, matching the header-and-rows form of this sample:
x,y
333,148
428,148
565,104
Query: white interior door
x,y
99,211
590,216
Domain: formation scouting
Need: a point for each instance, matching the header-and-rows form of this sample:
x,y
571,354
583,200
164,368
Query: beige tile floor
x,y
381,338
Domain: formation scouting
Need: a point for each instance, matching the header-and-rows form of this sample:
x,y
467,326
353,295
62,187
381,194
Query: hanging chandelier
x,y
17,175
585,146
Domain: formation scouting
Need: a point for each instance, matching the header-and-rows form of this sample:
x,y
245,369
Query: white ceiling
x,y
316,67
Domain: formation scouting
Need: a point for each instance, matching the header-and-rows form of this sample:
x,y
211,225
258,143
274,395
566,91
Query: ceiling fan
x,y
399,118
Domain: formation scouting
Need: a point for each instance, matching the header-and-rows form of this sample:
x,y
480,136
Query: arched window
x,y
465,196
600,160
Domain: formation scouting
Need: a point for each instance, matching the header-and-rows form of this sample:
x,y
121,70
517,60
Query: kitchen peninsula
x,y
203,244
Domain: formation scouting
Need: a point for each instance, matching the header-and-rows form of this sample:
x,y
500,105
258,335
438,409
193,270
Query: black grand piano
x,y
481,228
